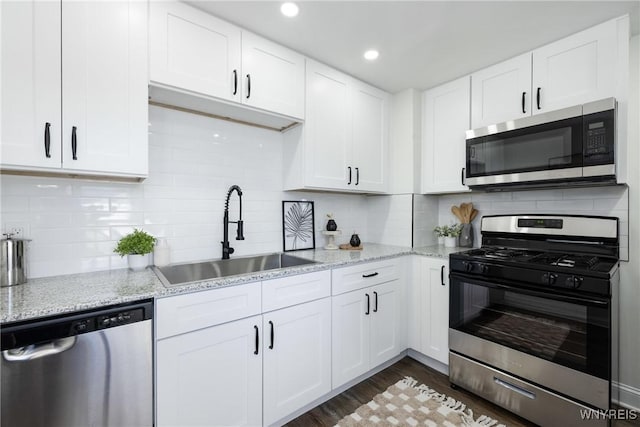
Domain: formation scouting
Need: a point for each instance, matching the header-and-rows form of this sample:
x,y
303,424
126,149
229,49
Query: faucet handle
x,y
240,234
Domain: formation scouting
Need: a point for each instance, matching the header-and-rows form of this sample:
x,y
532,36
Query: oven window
x,y
544,147
570,334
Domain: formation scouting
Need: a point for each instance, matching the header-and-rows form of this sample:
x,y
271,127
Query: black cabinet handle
x,y
257,340
272,336
357,176
370,275
538,97
248,85
368,304
47,139
523,110
375,304
74,143
349,183
442,275
462,176
235,82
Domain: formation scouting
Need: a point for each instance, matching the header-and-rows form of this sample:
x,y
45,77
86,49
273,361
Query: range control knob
x,y
574,282
468,267
484,268
549,278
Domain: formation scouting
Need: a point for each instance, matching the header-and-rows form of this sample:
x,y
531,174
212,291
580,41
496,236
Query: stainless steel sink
x,y
193,272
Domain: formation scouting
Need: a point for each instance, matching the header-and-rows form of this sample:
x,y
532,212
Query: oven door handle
x,y
496,285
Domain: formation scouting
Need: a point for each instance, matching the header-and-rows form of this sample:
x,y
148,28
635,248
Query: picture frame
x,y
298,225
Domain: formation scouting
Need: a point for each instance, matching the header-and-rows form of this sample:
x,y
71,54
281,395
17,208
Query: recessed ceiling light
x,y
289,9
371,54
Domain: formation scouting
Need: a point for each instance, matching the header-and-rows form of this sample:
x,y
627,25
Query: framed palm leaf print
x,y
298,225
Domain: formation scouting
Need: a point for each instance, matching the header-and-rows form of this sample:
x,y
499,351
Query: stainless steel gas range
x,y
531,315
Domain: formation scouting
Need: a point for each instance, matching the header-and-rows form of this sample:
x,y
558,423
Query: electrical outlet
x,y
17,229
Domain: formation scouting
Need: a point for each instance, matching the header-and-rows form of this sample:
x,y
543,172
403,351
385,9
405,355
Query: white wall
x,y
193,160
390,219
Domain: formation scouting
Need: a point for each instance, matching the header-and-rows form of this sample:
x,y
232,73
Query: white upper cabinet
x,y
501,92
370,113
327,129
193,51
273,76
580,68
96,122
343,144
445,120
30,91
104,87
575,70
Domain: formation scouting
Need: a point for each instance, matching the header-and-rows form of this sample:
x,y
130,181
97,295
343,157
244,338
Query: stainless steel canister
x,y
13,265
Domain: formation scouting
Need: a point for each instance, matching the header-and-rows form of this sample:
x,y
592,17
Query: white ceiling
x,y
421,43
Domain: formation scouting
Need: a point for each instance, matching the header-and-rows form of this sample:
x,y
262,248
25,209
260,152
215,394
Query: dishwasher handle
x,y
36,351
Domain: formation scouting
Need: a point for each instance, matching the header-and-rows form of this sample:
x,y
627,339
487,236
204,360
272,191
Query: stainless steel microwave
x,y
572,146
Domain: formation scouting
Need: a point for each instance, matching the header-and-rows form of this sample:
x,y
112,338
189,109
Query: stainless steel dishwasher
x,y
92,368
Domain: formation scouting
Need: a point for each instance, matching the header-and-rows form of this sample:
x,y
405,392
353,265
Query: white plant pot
x,y
450,242
441,240
138,262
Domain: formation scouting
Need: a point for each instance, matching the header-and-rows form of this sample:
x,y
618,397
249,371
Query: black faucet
x,y
226,249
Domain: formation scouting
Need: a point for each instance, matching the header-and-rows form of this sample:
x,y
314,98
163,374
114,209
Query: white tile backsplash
x,y
75,224
599,201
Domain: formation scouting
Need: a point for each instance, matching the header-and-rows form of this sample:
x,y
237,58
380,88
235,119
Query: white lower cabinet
x,y
212,376
366,330
430,308
297,357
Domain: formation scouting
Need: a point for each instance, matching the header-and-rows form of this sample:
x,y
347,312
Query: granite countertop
x,y
49,296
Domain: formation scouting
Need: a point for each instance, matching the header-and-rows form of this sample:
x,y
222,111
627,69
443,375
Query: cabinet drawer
x,y
287,291
184,313
363,275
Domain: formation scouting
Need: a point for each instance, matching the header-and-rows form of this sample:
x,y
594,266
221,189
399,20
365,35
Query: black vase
x,y
331,225
355,240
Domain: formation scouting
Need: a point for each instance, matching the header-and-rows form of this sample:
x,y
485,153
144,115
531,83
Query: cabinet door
x,y
370,136
192,50
30,85
327,145
104,86
445,121
385,322
350,336
297,361
273,76
434,288
211,377
501,92
577,69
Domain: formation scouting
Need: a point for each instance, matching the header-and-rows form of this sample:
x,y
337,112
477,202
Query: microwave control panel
x,y
599,130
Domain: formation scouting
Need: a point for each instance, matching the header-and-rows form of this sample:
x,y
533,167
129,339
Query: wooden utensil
x,y
474,213
456,211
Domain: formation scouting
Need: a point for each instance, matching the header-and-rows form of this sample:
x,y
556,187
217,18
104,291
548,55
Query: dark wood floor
x,y
330,412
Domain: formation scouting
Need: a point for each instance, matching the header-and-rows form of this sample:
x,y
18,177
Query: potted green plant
x,y
136,246
449,234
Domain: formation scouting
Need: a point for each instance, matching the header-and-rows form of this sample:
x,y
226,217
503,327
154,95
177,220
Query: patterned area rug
x,y
405,404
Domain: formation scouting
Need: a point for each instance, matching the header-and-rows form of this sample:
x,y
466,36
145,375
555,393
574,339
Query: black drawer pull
x,y
272,335
248,85
257,340
538,97
442,275
357,176
370,275
47,139
375,303
235,81
349,167
368,305
462,176
74,143
523,109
